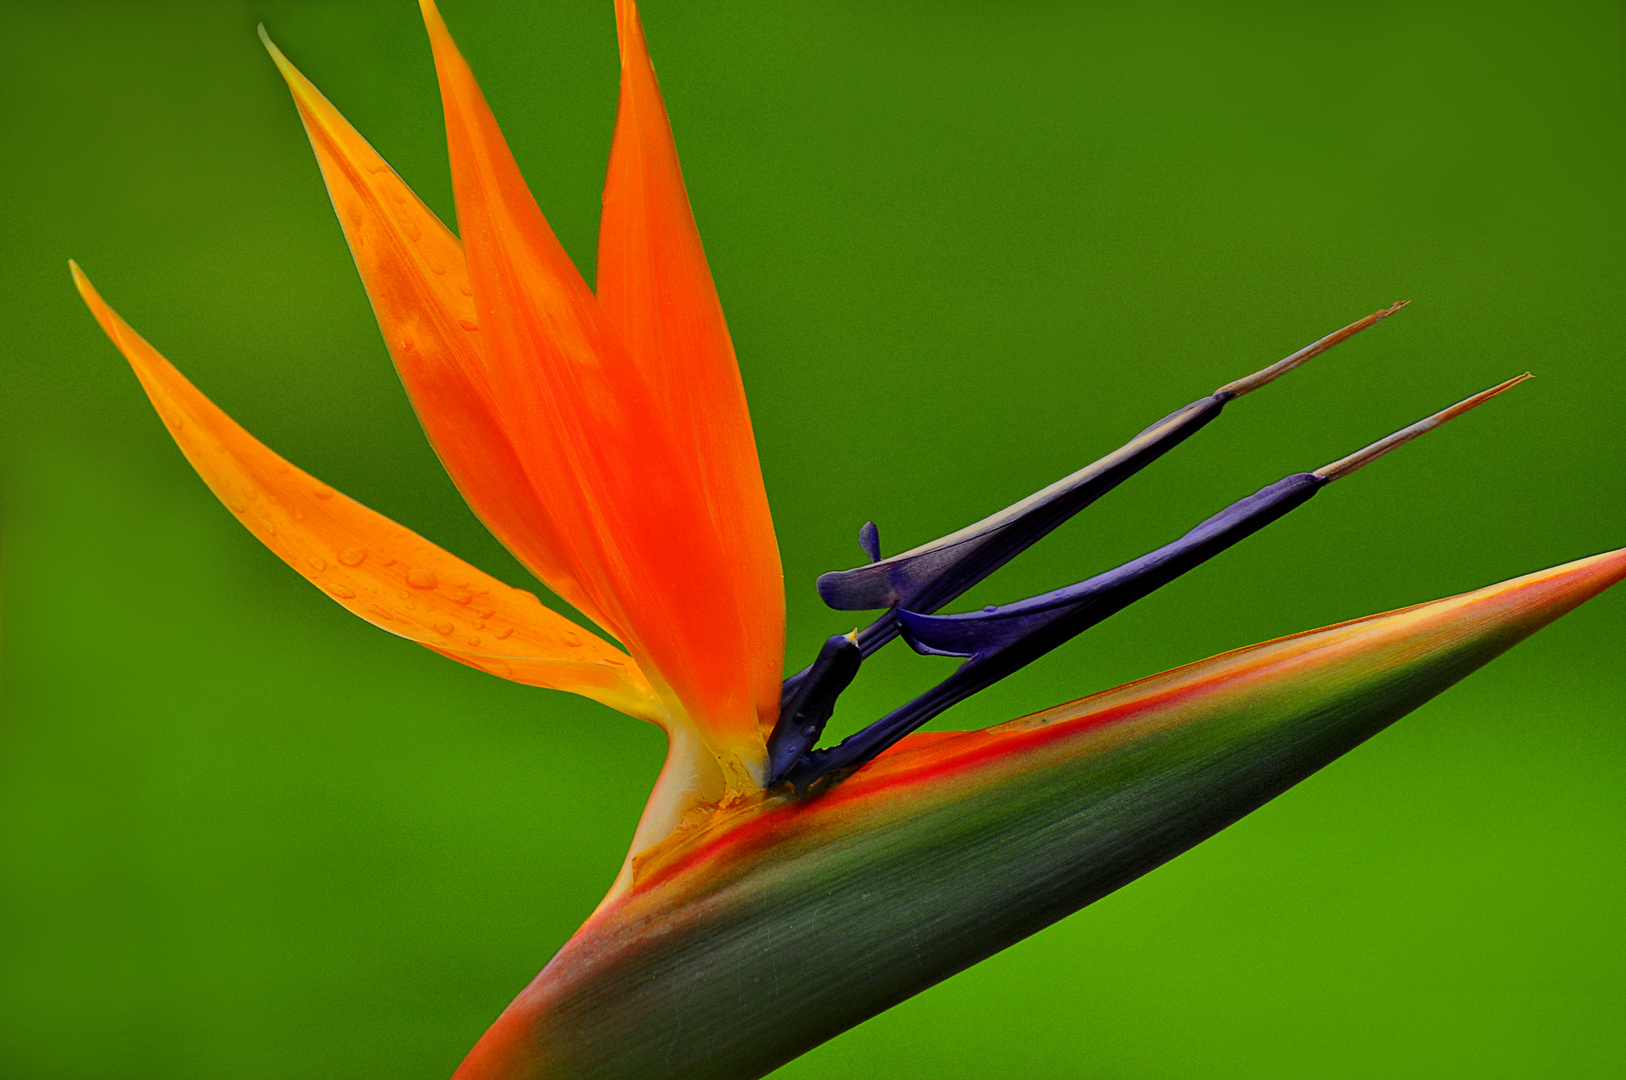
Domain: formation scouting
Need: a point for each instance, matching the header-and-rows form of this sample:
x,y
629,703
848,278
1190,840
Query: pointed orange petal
x,y
598,448
382,572
413,269
656,290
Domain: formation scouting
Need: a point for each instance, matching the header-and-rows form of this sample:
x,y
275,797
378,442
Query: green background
x,y
964,249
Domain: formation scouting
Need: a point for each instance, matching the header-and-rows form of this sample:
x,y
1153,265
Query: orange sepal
x,y
415,276
656,289
380,571
599,449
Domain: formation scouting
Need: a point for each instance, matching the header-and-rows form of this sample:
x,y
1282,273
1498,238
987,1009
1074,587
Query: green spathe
x,y
788,922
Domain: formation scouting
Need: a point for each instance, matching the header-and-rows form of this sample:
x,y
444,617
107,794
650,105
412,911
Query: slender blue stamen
x,y
1003,639
802,718
928,577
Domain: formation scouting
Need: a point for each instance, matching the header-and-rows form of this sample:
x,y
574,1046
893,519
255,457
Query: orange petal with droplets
x,y
413,269
382,572
643,539
656,290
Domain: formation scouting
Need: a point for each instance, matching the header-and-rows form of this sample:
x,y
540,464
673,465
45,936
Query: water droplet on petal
x,y
419,578
573,639
324,492
445,628
462,596
378,611
475,640
284,468
353,556
502,635
440,270
463,287
479,624
497,667
411,229
387,561
488,613
468,324
317,562
343,592
237,504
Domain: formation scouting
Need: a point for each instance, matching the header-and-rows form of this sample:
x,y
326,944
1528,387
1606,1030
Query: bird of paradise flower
x,y
776,893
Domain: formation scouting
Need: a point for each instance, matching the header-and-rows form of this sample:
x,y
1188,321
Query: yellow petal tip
x,y
432,20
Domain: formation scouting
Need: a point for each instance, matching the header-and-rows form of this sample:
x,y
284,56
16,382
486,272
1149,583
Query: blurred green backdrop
x,y
964,248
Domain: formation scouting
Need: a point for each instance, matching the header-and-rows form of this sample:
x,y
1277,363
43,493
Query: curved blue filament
x,y
1007,638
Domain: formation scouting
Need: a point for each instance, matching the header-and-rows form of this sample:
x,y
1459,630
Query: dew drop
x,y
488,613
573,639
419,578
343,592
324,492
444,628
439,270
237,504
991,607
502,635
378,611
497,667
463,287
479,624
411,229
403,594
387,561
474,640
468,324
284,468
462,596
353,556
317,562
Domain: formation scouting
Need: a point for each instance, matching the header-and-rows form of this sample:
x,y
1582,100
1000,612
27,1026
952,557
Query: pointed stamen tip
x,y
1366,455
1268,375
852,636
